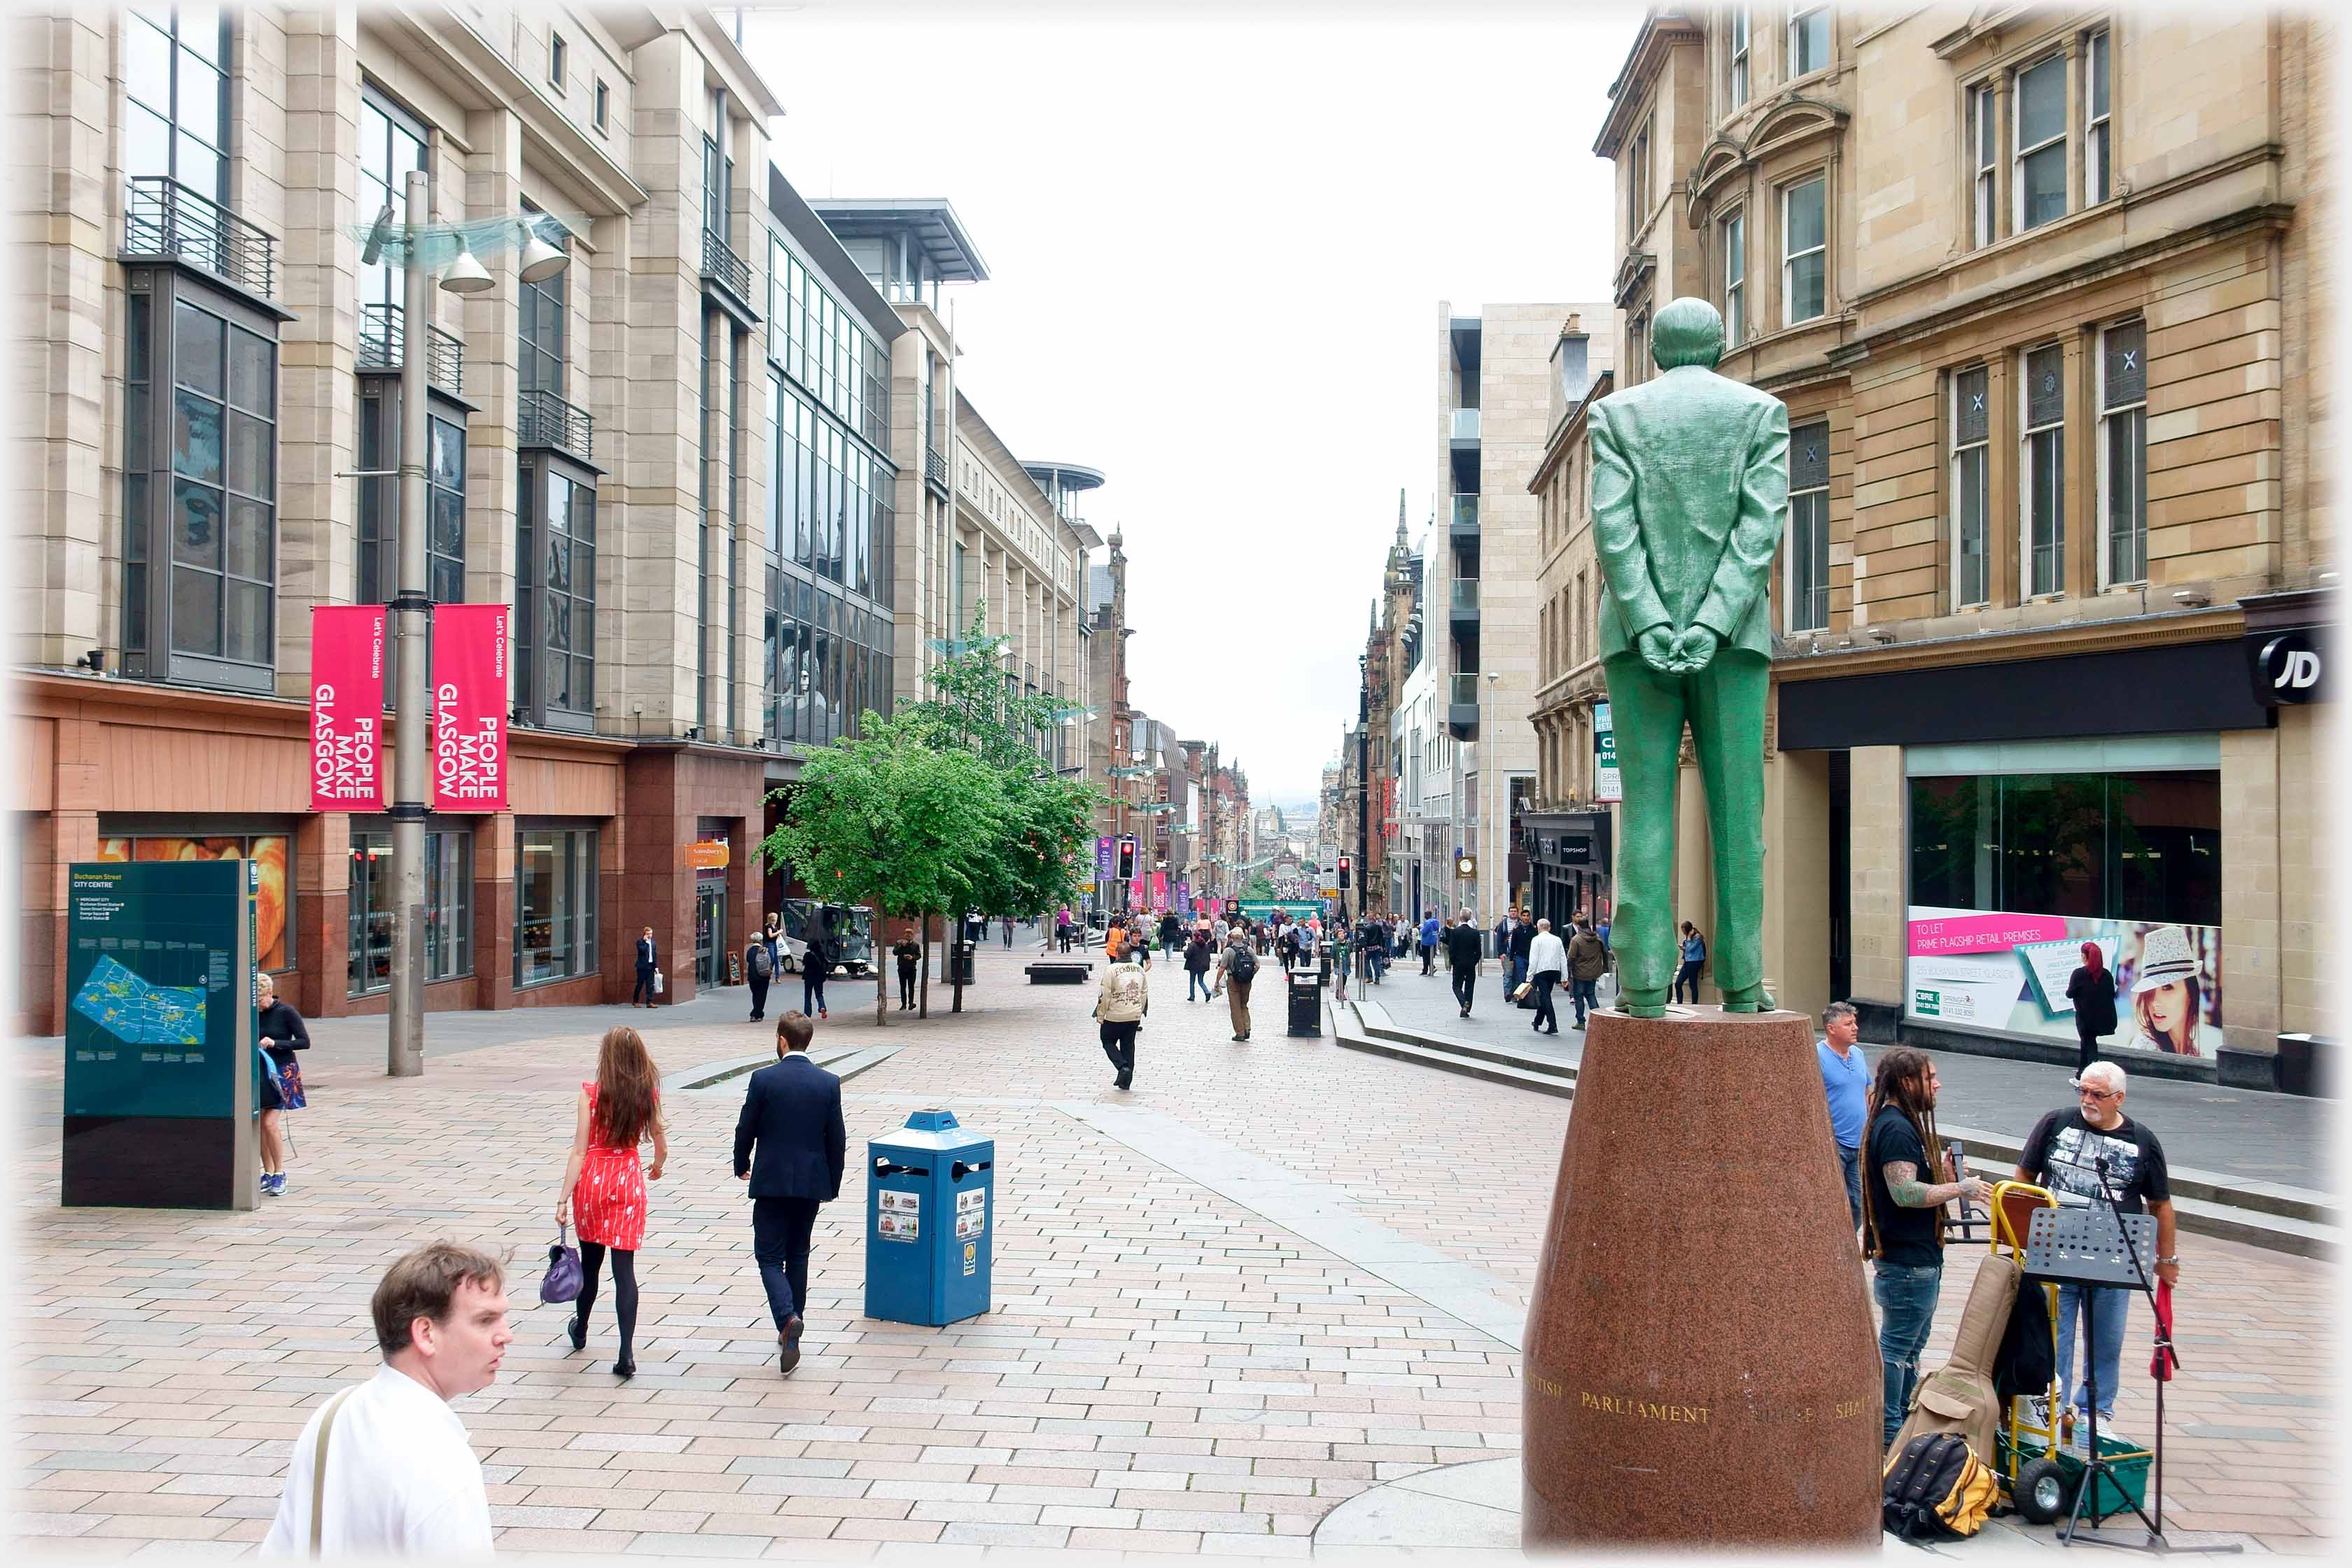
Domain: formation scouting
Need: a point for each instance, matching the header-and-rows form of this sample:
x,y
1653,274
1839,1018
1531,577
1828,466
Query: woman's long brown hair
x,y
628,1088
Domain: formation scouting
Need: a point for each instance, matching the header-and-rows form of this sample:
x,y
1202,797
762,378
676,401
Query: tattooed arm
x,y
1903,1183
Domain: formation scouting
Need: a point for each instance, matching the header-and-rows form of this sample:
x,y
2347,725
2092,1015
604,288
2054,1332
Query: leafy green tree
x,y
895,822
1260,886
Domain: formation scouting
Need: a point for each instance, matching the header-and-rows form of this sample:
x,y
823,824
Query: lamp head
x,y
465,275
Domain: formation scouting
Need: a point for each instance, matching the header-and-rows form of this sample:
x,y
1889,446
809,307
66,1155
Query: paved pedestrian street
x,y
1271,1277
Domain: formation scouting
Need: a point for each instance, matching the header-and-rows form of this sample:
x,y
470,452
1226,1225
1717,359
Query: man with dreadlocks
x,y
1902,1217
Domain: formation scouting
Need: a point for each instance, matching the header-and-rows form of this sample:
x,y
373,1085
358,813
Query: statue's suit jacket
x,y
1690,495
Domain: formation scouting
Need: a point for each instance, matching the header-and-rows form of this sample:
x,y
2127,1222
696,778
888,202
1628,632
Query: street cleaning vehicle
x,y
851,925
2036,1469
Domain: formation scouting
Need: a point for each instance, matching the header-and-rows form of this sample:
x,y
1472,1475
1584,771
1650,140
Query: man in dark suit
x,y
792,1116
649,963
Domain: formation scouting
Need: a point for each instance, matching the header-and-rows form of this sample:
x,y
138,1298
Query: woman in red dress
x,y
603,1181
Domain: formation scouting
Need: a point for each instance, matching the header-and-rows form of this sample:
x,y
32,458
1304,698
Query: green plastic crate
x,y
2124,1485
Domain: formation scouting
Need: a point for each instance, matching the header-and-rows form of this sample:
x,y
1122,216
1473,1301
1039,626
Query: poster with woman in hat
x,y
2169,983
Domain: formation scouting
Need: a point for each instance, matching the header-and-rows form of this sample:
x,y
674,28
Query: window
x,y
391,147
2045,477
541,310
174,78
2098,178
1804,250
2123,452
1983,159
555,592
603,116
373,907
1637,348
1738,84
1809,39
557,58
1808,528
2039,172
224,487
2142,847
555,903
1637,183
444,480
201,840
1735,280
1972,501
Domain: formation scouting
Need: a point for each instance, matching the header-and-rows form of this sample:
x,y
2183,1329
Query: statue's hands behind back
x,y
1695,649
1656,646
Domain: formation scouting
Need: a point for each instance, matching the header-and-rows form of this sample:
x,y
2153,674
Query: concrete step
x,y
843,1062
2267,1215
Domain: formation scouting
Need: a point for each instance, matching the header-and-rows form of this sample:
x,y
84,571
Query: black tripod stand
x,y
2101,1250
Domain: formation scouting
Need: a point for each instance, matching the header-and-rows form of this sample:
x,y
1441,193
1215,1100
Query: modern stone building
x,y
1494,404
1569,832
2047,295
707,463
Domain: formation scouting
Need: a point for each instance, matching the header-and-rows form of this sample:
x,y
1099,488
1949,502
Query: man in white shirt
x,y
402,1479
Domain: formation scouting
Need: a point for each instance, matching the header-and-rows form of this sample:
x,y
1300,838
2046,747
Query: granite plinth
x,y
1700,1362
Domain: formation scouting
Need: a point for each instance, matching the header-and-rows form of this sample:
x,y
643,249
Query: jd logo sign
x,y
2288,669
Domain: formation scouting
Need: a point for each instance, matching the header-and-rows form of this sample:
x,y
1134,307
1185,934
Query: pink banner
x,y
470,708
1982,934
1159,890
347,707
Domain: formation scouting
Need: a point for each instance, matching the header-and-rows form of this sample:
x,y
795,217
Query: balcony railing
x,y
167,218
1466,513
1466,425
935,468
720,262
546,420
1464,689
381,344
1465,595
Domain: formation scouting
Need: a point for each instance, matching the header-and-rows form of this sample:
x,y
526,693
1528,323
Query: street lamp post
x,y
1487,759
405,1050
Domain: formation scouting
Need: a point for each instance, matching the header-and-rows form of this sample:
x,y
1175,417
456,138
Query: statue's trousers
x,y
1725,706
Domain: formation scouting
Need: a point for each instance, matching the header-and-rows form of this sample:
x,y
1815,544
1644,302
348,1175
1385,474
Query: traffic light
x,y
1126,859
1343,873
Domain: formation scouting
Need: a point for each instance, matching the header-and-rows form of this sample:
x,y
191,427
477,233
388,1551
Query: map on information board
x,y
138,1013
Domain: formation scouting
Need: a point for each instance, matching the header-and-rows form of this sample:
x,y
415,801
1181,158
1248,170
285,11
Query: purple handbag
x,y
562,1281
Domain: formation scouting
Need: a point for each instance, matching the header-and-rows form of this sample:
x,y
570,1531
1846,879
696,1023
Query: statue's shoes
x,y
1645,1007
1749,999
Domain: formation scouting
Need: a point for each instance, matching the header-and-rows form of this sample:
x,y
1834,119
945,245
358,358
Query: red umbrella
x,y
2160,1363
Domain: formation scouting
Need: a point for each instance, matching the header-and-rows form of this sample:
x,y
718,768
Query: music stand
x,y
2103,1249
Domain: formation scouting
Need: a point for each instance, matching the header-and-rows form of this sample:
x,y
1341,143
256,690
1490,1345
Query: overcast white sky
x,y
1215,237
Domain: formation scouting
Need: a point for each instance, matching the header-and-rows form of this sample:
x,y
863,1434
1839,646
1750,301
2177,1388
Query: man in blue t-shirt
x,y
1430,927
1845,1078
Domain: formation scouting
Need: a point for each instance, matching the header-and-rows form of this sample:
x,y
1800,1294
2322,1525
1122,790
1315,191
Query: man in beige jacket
x,y
1125,998
1237,968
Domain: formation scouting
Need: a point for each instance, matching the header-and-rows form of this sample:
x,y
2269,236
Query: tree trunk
x,y
955,970
923,993
882,965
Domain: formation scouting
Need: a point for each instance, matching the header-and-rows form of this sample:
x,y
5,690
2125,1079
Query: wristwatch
x,y
2162,1261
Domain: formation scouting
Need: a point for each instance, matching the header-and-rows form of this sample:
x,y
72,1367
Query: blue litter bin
x,y
930,1203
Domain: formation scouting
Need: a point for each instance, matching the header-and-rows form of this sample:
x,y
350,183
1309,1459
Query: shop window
x,y
2053,844
274,902
1808,528
2164,848
1971,499
1804,250
2141,847
2045,470
555,903
373,904
2123,453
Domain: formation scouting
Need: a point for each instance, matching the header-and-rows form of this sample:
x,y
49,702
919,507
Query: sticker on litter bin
x,y
901,1218
971,1258
972,1217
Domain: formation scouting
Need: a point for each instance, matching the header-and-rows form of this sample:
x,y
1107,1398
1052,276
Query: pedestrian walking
x,y
384,1469
817,959
1588,961
1171,931
2091,990
1845,1078
790,1149
1694,957
759,969
1237,968
1197,960
1341,956
281,1032
604,1187
648,971
1903,1219
1008,931
909,953
1430,931
1119,1007
1061,927
2065,1153
1546,962
1463,956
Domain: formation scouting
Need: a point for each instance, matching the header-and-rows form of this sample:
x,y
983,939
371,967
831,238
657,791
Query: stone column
x,y
2252,818
1878,856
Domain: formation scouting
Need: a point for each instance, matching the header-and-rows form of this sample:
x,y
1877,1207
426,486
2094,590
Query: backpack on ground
x,y
1934,1489
762,966
1244,966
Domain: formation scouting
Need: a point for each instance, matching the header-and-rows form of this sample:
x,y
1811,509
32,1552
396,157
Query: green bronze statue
x,y
1690,494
